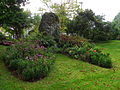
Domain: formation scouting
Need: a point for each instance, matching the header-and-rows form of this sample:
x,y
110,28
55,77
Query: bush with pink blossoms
x,y
29,60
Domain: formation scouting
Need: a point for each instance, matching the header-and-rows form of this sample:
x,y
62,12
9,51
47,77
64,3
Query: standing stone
x,y
50,25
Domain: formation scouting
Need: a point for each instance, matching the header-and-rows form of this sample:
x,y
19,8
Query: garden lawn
x,y
70,74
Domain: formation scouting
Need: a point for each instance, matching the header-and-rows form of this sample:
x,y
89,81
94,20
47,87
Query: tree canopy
x,y
89,25
116,21
12,17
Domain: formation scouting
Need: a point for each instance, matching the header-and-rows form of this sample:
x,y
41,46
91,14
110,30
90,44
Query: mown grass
x,y
70,74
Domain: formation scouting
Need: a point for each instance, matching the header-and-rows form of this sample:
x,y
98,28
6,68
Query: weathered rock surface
x,y
50,25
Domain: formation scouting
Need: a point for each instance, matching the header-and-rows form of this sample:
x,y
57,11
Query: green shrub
x,y
21,65
91,55
45,40
79,48
13,64
102,60
70,41
35,71
29,60
30,70
2,37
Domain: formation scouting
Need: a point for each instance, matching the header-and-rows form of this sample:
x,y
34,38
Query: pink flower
x,y
42,47
94,50
39,55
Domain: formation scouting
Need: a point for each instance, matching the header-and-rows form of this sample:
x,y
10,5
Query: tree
x,y
8,7
103,31
83,23
116,21
116,26
12,17
24,24
90,26
19,21
35,24
64,10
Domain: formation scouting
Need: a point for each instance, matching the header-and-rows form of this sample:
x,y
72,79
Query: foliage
x,y
79,48
2,37
5,40
91,55
62,10
90,26
19,21
35,24
41,39
69,41
9,8
29,60
116,27
30,70
65,10
71,73
116,21
13,18
101,59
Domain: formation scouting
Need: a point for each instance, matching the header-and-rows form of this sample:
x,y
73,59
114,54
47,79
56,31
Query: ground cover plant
x,y
69,74
33,47
29,60
81,49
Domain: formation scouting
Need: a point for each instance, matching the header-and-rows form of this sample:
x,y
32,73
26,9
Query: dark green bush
x,y
45,40
80,48
2,37
29,60
91,55
30,70
102,60
72,41
38,70
91,26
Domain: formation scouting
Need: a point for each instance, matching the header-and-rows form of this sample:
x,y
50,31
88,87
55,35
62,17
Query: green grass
x,y
70,74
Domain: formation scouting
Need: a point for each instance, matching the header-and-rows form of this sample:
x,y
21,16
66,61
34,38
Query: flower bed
x,y
29,61
79,48
93,55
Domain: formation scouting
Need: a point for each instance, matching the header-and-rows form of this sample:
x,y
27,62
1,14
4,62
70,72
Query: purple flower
x,y
30,58
42,47
39,55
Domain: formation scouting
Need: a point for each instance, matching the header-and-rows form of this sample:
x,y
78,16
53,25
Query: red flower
x,y
94,50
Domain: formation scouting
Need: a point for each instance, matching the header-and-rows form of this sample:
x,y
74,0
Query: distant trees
x,y
9,8
88,25
36,21
13,18
85,23
19,21
65,10
73,20
116,21
116,26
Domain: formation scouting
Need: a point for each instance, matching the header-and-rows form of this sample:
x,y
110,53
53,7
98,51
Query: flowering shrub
x,y
72,41
43,40
29,60
91,55
98,58
79,48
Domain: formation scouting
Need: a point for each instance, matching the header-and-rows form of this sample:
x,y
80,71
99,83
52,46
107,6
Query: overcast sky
x,y
109,8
